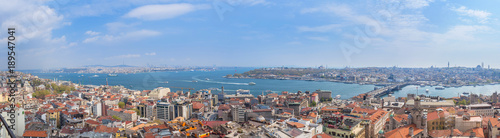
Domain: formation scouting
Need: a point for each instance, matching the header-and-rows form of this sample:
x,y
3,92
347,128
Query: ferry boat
x,y
214,89
112,75
241,91
251,83
439,88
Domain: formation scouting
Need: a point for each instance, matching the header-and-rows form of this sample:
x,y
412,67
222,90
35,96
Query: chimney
x,y
411,131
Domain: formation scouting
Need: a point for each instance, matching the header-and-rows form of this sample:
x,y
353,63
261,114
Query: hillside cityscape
x,y
250,69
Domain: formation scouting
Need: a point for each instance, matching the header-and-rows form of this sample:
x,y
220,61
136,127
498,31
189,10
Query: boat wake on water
x,y
220,82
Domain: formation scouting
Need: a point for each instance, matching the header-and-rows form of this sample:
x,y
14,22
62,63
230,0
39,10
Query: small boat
x,y
251,83
112,75
95,76
164,82
439,88
213,89
338,96
207,79
426,90
194,81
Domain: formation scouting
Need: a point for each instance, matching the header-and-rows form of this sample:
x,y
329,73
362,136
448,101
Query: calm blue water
x,y
447,92
149,81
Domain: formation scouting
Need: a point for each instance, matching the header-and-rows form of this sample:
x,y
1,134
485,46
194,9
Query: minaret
x,y
448,64
222,90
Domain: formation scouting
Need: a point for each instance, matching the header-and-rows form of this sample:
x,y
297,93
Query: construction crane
x,y
182,88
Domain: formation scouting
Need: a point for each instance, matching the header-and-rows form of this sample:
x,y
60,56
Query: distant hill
x,y
109,66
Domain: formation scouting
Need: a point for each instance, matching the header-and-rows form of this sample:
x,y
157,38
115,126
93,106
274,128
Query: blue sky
x,y
412,33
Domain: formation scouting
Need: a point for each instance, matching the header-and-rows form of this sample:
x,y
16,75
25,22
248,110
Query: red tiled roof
x,y
403,132
102,128
312,114
296,124
436,115
224,107
197,105
31,133
444,133
213,124
478,132
92,122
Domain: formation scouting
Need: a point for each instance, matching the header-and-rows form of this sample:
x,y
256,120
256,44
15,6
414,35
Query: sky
x,y
252,33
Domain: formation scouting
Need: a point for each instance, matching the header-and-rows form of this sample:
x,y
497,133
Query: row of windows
x,y
340,135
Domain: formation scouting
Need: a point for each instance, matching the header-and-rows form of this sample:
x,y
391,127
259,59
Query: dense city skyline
x,y
255,33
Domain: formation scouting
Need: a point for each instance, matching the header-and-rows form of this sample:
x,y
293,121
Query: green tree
x,y
137,111
116,117
41,93
121,105
312,104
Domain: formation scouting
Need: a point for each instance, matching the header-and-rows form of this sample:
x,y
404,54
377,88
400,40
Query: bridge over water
x,y
386,90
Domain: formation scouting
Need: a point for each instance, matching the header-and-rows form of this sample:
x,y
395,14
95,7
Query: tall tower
x,y
448,64
482,65
417,116
222,90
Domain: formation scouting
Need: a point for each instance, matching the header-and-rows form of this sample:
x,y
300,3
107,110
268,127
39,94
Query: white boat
x,y
439,88
241,91
251,83
207,79
95,76
112,75
426,90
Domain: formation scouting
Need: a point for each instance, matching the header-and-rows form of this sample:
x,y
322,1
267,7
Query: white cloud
x,y
134,35
160,12
70,45
247,2
34,23
416,4
324,28
92,33
150,54
481,16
